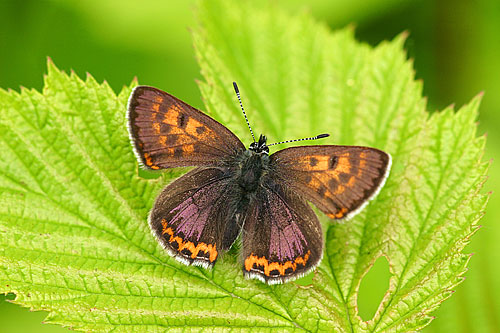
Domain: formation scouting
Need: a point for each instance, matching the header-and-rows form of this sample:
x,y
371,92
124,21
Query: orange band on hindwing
x,y
252,260
211,249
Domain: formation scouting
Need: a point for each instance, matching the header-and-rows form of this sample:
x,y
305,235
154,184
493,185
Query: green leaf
x,y
73,206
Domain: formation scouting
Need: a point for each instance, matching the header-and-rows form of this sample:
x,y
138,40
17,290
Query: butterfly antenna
x,y
239,99
312,138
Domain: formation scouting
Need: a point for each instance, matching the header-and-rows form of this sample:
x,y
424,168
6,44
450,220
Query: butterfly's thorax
x,y
251,168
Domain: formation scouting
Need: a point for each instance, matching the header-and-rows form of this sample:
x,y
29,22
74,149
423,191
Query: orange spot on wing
x,y
156,127
172,115
339,190
320,162
194,249
252,260
362,164
149,162
191,126
147,157
158,99
323,163
351,181
337,215
343,165
188,149
341,213
156,107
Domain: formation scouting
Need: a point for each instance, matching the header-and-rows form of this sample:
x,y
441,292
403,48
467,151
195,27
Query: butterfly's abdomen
x,y
250,169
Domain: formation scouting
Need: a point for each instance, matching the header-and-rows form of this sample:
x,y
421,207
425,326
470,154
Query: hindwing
x,y
282,237
193,219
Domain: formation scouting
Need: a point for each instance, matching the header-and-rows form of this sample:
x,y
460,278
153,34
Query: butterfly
x,y
234,190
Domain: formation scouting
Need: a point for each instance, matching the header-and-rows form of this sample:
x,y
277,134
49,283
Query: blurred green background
x,y
456,50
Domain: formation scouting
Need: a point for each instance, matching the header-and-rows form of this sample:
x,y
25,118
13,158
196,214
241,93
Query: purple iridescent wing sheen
x,y
193,219
282,238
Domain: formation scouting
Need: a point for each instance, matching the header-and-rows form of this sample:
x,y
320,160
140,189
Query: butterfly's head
x,y
260,147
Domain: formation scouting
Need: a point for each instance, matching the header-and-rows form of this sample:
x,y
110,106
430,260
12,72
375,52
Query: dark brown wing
x,y
282,237
339,180
193,218
167,132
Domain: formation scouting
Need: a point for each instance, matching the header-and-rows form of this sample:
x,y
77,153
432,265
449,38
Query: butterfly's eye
x,y
253,146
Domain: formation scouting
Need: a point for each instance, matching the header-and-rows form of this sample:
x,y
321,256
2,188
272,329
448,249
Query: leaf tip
x,y
51,66
476,100
22,90
401,38
135,81
351,27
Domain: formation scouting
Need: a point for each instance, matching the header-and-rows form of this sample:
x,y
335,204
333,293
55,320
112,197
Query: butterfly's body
x,y
243,178
251,170
238,191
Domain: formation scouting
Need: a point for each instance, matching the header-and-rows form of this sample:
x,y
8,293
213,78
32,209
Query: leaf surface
x,y
73,206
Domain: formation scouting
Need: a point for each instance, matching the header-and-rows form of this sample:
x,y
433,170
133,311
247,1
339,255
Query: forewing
x,y
194,218
339,180
167,132
282,237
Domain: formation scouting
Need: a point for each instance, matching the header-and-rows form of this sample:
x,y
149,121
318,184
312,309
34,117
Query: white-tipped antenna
x,y
312,138
239,99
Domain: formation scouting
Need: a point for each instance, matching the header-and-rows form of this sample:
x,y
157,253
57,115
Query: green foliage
x,y
74,238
